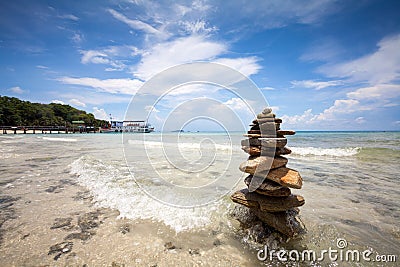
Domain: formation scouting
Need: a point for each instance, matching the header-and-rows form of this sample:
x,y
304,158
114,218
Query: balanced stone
x,y
263,116
267,111
273,142
261,121
282,133
268,126
262,164
285,222
266,203
268,194
257,150
259,135
286,177
267,187
265,142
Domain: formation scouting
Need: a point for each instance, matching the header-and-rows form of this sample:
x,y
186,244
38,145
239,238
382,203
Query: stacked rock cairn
x,y
268,195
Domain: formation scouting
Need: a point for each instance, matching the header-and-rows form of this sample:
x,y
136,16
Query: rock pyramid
x,y
268,194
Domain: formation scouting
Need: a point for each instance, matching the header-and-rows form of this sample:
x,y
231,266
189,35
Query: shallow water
x,y
351,188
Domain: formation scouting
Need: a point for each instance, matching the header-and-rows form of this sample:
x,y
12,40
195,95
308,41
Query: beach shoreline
x,y
58,212
58,189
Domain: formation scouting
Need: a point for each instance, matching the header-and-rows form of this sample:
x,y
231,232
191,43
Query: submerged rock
x,y
60,248
64,223
89,220
287,222
81,235
169,245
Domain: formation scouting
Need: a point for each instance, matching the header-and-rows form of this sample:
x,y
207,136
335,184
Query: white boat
x,y
128,127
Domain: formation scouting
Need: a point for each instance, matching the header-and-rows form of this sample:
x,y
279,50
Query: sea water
x,y
351,180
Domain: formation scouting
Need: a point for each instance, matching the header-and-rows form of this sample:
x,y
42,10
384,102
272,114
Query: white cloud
x,y
178,51
55,101
236,104
247,65
340,106
333,113
16,90
137,24
360,120
42,67
377,92
114,86
100,114
317,85
381,66
305,118
77,102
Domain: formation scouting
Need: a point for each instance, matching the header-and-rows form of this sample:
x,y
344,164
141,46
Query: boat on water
x,y
128,127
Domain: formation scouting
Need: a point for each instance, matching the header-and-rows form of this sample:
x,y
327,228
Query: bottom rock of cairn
x,y
268,195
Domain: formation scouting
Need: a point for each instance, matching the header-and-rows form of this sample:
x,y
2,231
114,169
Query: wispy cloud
x,y
114,86
69,17
326,50
137,24
377,92
381,66
317,85
113,56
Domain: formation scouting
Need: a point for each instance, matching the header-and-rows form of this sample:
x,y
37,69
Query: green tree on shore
x,y
15,112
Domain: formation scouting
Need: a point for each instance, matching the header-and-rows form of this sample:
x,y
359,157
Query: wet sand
x,y
58,225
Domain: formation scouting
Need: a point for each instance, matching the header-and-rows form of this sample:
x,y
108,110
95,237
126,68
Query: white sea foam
x,y
114,188
59,139
194,146
318,151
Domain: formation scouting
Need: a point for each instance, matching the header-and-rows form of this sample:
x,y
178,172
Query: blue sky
x,y
321,64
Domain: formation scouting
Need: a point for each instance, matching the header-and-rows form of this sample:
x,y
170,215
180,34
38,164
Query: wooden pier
x,y
46,129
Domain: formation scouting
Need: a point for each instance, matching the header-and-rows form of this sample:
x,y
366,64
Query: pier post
x,y
33,130
24,130
15,131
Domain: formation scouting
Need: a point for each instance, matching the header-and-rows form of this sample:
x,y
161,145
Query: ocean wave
x,y
59,139
318,151
194,146
113,188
